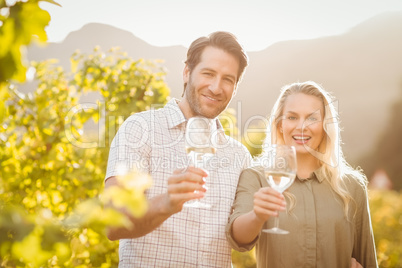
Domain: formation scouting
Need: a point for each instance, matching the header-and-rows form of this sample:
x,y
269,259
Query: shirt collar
x,y
173,113
317,174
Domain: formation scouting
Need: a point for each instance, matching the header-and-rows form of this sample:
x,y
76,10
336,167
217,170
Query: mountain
x,y
361,67
106,36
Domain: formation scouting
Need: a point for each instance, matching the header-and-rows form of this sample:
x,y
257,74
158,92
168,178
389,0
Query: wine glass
x,y
199,148
280,169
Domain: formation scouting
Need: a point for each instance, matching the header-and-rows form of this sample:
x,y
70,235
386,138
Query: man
x,y
153,141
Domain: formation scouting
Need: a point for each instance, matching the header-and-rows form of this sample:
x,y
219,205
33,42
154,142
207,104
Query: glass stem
x,y
198,164
276,222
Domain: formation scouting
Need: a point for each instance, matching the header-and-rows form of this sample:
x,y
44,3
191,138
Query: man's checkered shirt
x,y
153,142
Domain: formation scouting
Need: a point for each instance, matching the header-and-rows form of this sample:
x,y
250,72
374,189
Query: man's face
x,y
211,84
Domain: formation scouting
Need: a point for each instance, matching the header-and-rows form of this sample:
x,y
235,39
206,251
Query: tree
x,y
51,176
21,22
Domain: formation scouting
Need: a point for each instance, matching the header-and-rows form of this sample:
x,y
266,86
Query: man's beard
x,y
195,103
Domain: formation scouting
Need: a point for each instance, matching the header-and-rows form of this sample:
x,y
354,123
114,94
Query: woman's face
x,y
302,122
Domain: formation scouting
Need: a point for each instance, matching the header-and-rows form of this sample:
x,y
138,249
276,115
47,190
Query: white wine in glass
x,y
199,148
280,181
280,169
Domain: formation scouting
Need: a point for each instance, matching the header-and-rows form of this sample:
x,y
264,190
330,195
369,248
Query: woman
x,y
325,209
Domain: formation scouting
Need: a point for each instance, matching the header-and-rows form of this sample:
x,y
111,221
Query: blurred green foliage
x,y
51,176
244,259
21,22
253,138
386,216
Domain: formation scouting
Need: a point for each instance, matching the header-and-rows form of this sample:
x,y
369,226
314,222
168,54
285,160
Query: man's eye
x,y
229,80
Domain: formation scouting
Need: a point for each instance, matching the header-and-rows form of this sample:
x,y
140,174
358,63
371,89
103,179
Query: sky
x,y
256,23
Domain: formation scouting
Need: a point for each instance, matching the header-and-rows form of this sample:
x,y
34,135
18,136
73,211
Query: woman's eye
x,y
292,117
312,119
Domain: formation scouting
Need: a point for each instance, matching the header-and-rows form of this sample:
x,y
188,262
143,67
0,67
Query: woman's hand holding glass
x,y
280,167
267,203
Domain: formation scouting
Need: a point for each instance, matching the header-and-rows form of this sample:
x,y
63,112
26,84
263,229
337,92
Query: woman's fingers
x,y
269,196
267,202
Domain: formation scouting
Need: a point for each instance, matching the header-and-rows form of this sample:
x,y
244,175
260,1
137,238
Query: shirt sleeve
x,y
249,183
130,149
364,248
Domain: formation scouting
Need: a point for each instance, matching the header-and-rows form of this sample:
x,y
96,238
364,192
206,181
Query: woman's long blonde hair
x,y
335,169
